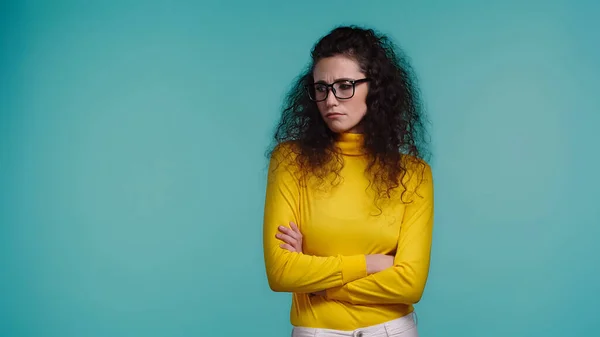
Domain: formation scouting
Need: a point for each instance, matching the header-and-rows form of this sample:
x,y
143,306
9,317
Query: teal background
x,y
132,140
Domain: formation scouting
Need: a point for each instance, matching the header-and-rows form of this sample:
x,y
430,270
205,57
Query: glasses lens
x,y
344,89
319,92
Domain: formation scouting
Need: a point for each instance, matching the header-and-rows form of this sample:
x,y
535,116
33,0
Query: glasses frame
x,y
308,88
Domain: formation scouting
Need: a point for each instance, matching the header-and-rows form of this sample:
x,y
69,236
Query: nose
x,y
331,99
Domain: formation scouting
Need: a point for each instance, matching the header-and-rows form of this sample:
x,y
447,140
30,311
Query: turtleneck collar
x,y
350,144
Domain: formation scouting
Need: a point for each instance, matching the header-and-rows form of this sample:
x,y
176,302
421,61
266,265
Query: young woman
x,y
349,200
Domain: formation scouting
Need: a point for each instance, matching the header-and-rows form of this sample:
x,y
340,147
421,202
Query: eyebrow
x,y
336,80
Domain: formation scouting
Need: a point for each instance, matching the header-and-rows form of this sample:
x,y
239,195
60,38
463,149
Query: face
x,y
341,115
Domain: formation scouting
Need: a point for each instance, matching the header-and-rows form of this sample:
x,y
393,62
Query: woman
x,y
349,201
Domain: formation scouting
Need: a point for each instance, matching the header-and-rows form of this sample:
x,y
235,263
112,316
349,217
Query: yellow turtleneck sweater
x,y
340,225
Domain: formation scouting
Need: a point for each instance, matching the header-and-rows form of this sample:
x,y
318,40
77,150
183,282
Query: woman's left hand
x,y
291,237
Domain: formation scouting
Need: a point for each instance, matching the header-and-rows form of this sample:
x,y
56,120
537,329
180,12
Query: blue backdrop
x,y
132,140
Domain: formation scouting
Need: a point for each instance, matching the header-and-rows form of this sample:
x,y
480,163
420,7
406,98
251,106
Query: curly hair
x,y
393,127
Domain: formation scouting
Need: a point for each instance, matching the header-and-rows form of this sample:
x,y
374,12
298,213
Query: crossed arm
x,y
358,279
292,241
289,271
399,280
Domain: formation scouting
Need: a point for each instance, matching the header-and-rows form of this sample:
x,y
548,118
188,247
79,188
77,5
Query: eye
x,y
320,88
343,85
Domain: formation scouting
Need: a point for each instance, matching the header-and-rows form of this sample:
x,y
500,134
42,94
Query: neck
x,y
350,144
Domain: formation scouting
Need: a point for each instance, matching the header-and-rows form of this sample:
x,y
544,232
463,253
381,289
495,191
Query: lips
x,y
333,114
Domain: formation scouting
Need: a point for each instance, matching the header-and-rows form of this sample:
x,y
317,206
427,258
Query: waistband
x,y
384,329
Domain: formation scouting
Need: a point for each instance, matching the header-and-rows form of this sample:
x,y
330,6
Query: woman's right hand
x,y
378,262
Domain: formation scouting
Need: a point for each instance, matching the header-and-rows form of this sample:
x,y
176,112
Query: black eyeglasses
x,y
342,89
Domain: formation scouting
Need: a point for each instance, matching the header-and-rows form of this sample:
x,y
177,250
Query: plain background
x,y
132,141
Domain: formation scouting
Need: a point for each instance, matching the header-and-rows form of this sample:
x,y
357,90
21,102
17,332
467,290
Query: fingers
x,y
286,232
291,232
287,239
292,238
287,247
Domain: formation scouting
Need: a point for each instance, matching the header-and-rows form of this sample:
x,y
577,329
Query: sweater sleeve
x,y
290,271
405,281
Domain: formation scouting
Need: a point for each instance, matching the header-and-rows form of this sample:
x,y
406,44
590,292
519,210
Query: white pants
x,y
401,327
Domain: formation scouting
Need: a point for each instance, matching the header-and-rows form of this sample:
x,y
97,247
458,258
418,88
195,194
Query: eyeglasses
x,y
342,89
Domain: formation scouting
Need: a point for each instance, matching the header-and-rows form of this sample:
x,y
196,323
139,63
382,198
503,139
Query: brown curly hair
x,y
393,127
